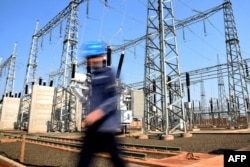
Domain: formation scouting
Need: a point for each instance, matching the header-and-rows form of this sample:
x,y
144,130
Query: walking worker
x,y
103,119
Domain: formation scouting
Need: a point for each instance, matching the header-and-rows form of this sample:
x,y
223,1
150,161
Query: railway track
x,y
134,151
201,149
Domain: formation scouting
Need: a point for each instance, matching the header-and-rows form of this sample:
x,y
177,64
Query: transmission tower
x,y
64,108
25,101
9,86
161,61
30,77
11,63
222,97
236,75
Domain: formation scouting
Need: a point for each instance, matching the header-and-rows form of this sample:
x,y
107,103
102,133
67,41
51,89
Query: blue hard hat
x,y
93,48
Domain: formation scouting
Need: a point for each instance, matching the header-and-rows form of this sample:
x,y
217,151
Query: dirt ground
x,y
36,155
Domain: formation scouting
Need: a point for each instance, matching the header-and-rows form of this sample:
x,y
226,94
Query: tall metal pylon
x,y
236,74
222,97
64,108
11,62
163,95
30,78
9,86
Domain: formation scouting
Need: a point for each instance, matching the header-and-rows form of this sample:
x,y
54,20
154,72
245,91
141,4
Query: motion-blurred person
x,y
103,119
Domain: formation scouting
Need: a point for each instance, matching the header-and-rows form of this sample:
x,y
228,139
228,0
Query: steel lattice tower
x,y
63,114
163,95
9,86
222,97
236,74
30,77
25,101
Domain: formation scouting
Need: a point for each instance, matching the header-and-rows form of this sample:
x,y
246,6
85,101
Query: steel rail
x,y
123,145
136,151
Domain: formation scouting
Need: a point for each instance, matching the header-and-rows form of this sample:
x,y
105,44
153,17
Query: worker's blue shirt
x,y
104,95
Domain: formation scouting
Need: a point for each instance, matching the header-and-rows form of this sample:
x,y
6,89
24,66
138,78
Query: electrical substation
x,y
161,102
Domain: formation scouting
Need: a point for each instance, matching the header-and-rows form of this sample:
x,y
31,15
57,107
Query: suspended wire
x,y
204,26
197,11
105,2
245,53
47,12
123,17
50,36
82,26
204,22
214,27
120,30
135,50
47,50
143,2
208,44
60,30
87,8
102,19
41,44
183,34
127,16
107,5
191,8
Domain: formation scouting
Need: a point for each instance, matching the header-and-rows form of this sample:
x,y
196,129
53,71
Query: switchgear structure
x,y
64,106
69,12
10,63
163,106
163,96
238,93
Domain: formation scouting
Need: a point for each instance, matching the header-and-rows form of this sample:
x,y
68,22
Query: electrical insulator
x,y
120,65
73,70
211,105
109,56
247,72
187,79
182,88
154,86
51,83
169,82
26,89
40,81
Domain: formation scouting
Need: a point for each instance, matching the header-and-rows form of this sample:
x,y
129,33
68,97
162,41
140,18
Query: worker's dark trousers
x,y
100,142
